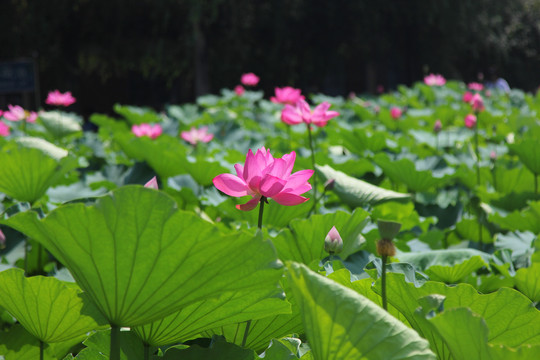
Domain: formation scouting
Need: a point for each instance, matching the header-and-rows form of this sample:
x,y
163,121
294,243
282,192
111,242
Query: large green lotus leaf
x,y
137,115
274,214
469,229
527,281
30,166
508,325
342,324
228,308
60,124
466,336
359,140
405,214
450,266
525,220
48,309
18,344
140,258
355,192
528,151
219,349
404,171
304,242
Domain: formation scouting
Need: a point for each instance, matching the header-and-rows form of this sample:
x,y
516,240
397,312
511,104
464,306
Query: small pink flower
x,y
239,90
333,244
194,135
488,93
434,80
15,113
470,121
32,116
152,184
60,99
287,95
467,96
249,79
380,89
477,102
2,238
395,113
264,175
493,155
4,129
152,131
301,112
475,86
437,127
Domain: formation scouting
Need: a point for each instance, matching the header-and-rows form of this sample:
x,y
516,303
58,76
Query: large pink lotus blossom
x,y
434,80
152,184
477,102
152,131
467,96
470,121
301,112
194,135
249,79
262,175
239,90
4,129
17,113
475,86
287,95
60,99
395,113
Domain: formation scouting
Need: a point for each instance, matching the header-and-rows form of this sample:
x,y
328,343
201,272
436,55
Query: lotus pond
x,y
403,226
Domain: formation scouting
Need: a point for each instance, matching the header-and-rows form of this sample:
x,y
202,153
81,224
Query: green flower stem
x,y
313,164
383,283
146,351
535,184
41,349
477,154
115,343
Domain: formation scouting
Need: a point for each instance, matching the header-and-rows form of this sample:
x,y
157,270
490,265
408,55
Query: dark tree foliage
x,y
150,52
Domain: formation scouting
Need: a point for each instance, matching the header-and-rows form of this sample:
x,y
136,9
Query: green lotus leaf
x,y
342,324
219,349
528,151
525,220
131,347
139,258
30,166
304,242
527,281
355,192
468,229
47,308
60,124
228,308
137,115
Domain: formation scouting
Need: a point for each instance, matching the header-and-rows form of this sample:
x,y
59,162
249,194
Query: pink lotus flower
x,y
333,244
239,90
249,79
17,113
4,129
380,89
467,97
395,113
301,112
152,131
152,184
477,102
470,121
2,238
493,155
262,175
434,80
475,86
437,127
287,95
194,135
58,99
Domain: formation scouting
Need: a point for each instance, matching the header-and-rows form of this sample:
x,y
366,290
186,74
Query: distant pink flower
x,y
395,113
438,126
470,121
152,184
287,95
301,112
60,99
333,243
4,129
32,116
152,131
239,90
488,93
493,155
475,86
477,102
2,238
264,175
194,135
434,80
249,79
467,96
380,89
17,113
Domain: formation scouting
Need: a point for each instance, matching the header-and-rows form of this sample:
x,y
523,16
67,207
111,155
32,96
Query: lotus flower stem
x,y
41,349
115,343
535,184
477,154
383,283
313,164
261,210
146,351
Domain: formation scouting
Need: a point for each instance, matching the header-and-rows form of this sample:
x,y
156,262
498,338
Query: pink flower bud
x,y
152,184
239,90
395,112
333,244
470,121
438,126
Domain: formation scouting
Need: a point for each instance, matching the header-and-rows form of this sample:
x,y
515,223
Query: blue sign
x,y
17,76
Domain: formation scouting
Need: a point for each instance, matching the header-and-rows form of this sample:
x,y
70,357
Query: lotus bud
x,y
329,184
152,184
2,238
388,231
333,244
437,127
